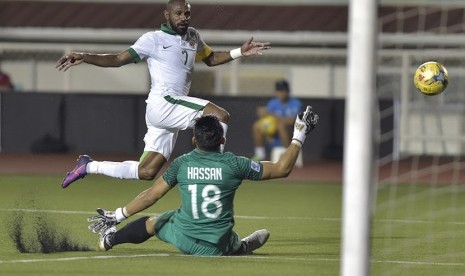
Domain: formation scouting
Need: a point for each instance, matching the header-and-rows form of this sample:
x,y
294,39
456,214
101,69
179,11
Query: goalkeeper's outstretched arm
x,y
107,219
304,123
147,198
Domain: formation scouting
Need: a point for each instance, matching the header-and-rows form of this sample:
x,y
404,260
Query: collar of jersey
x,y
167,30
197,150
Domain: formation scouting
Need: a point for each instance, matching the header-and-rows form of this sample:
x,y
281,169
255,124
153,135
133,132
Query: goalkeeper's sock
x,y
133,232
225,130
122,170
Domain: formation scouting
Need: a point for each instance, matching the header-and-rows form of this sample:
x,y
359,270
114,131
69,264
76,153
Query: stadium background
x,y
309,49
33,41
308,37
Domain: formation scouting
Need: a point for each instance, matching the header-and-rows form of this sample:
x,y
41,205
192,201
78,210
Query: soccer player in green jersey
x,y
207,180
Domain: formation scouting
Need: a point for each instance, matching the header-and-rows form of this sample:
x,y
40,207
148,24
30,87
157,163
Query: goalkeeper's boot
x,y
105,241
255,240
78,172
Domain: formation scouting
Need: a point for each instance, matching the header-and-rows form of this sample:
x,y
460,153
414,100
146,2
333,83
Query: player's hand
x,y
69,60
304,123
104,220
251,48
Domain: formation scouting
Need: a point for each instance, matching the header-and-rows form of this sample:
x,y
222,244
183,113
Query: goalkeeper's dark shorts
x,y
167,231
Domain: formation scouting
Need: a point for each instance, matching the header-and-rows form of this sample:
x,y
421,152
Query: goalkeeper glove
x,y
304,123
105,219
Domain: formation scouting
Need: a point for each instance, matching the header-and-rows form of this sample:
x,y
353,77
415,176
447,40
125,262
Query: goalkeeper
x,y
207,180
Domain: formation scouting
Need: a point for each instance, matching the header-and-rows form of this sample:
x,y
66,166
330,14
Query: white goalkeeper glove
x,y
304,123
106,219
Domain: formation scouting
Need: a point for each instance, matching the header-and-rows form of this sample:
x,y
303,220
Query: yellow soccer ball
x,y
431,78
268,125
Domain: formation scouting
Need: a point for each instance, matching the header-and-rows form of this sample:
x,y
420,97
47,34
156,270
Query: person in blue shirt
x,y
275,120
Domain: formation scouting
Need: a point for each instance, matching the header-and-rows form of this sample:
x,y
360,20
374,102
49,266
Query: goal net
x,y
419,211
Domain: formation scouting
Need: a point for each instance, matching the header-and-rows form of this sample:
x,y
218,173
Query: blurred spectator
x,y
275,121
5,81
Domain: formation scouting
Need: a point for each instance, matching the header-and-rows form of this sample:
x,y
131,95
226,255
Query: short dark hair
x,y
208,133
171,3
282,85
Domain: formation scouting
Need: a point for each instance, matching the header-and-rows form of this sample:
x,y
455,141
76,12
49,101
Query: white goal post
x,y
359,139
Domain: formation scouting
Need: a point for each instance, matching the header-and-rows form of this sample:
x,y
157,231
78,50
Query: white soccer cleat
x,y
255,240
105,241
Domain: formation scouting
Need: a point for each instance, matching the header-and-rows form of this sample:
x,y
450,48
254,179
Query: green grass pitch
x,y
304,220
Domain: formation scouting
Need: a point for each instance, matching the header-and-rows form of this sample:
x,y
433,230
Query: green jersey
x,y
207,182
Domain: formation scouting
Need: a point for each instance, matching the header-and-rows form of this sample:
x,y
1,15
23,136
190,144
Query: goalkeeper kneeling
x,y
207,180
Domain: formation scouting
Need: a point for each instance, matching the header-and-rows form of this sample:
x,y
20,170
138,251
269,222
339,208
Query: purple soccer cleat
x,y
78,172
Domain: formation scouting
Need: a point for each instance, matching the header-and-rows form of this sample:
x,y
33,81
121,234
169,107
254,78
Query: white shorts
x,y
165,116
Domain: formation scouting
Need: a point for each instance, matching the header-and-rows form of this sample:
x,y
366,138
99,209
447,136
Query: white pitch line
x,y
413,221
419,263
47,211
82,258
67,259
144,214
407,221
158,255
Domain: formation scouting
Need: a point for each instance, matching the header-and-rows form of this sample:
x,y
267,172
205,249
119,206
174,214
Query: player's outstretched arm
x,y
249,48
102,60
304,123
147,198
106,219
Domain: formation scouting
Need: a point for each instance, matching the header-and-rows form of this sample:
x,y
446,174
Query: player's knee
x,y
219,112
150,166
223,115
147,173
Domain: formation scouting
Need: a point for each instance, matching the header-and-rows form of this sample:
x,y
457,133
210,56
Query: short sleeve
x,y
248,169
271,106
203,54
203,50
171,174
143,47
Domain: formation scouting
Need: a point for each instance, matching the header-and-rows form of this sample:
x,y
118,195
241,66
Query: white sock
x,y
260,153
121,170
225,130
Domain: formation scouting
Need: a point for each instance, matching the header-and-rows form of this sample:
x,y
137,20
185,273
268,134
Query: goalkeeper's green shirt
x,y
207,182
